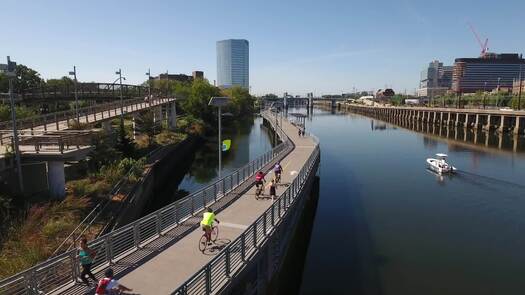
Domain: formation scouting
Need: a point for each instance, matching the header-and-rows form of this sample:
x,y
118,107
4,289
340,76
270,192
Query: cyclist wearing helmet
x,y
259,179
208,217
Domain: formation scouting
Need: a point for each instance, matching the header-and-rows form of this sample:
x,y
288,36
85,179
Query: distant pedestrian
x,y
86,256
273,189
299,132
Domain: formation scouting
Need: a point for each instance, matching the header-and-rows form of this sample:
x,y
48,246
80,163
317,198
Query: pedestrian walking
x,y
273,187
86,256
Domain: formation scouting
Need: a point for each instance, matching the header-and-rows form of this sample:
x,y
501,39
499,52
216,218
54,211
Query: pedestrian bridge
x,y
158,254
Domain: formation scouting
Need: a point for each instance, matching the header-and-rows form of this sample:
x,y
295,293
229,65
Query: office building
x,y
3,68
233,63
487,72
436,79
197,75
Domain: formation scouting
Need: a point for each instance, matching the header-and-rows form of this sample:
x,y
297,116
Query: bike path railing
x,y
64,270
94,113
215,275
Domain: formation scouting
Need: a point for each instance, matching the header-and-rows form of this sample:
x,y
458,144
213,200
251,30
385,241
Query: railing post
x,y
265,217
243,247
273,214
255,234
56,121
215,192
208,279
228,262
279,207
158,223
74,265
136,236
109,249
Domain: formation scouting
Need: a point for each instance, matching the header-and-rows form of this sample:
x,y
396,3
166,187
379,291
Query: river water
x,y
249,140
386,225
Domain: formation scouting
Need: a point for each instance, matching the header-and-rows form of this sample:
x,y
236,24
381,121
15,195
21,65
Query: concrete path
x,y
173,266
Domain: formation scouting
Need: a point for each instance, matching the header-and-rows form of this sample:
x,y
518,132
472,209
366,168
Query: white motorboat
x,y
440,164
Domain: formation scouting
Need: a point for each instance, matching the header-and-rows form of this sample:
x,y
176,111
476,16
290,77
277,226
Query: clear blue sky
x,y
295,46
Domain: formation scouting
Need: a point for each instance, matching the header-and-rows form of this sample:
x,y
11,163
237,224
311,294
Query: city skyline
x,y
321,47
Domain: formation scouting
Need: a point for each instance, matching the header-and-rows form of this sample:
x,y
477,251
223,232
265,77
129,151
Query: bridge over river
x,y
158,254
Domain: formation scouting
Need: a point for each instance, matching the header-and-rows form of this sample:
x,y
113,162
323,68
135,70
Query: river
x,y
386,225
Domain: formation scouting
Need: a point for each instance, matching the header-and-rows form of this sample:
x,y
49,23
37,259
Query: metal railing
x,y
63,270
212,277
88,114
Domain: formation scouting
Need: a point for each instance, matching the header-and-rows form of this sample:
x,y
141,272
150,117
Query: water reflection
x,y
249,140
460,138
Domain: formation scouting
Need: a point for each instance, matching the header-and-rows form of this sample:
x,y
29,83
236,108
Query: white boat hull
x,y
440,166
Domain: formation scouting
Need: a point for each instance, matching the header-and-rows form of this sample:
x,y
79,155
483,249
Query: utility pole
x,y
11,74
74,74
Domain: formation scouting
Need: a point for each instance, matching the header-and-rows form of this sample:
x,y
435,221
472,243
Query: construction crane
x,y
484,46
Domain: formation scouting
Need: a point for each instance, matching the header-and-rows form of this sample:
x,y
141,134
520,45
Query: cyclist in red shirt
x,y
259,179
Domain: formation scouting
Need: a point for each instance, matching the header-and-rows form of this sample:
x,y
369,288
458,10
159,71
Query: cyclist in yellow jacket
x,y
207,222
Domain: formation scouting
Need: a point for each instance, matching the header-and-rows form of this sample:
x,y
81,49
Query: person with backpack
x,y
108,285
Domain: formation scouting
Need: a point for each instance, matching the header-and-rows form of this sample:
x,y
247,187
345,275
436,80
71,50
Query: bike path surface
x,y
172,267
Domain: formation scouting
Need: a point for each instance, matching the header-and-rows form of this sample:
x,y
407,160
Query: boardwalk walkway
x,y
161,265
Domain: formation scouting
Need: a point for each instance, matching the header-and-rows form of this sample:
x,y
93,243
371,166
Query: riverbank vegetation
x,y
32,228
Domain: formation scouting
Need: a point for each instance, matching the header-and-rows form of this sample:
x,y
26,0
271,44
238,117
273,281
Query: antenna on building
x,y
484,46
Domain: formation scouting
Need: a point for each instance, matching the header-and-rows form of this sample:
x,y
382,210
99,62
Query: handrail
x,y
64,269
84,113
216,274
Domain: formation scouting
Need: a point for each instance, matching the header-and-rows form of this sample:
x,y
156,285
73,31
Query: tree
x,y
124,144
270,96
60,83
241,101
197,102
145,124
26,78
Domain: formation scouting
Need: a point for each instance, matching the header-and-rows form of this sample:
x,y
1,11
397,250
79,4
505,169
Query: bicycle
x,y
258,191
278,177
203,241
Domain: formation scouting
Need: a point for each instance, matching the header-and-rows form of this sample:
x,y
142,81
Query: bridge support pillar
x,y
488,124
518,126
172,120
106,126
504,124
56,179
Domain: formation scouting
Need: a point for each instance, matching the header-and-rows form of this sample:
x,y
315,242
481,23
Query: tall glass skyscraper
x,y
233,66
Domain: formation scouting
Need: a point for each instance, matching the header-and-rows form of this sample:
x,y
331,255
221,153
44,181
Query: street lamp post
x,y
219,102
11,74
519,91
149,86
119,73
74,74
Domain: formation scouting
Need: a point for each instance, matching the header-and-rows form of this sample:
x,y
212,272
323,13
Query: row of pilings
x,y
501,121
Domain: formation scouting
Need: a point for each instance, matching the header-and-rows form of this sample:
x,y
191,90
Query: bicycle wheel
x,y
214,233
203,242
